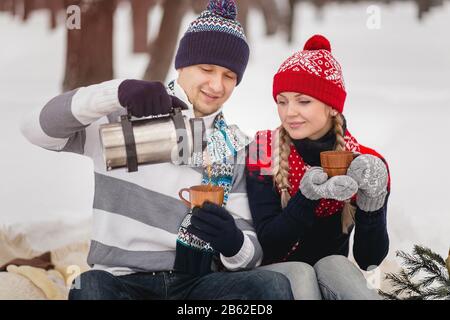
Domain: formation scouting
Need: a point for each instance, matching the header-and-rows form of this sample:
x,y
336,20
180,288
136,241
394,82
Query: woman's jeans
x,y
242,285
332,278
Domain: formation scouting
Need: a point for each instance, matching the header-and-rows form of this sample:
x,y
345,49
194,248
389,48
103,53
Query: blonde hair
x,y
281,151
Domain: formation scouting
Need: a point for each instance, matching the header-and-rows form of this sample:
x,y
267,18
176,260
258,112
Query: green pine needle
x,y
435,283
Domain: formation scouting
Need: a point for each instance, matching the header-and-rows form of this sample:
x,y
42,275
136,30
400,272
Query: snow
x,y
398,103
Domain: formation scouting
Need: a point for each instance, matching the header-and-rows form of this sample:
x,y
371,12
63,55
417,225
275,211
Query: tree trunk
x,y
319,5
10,6
55,7
291,20
162,50
271,15
423,6
89,55
27,8
140,11
243,7
199,5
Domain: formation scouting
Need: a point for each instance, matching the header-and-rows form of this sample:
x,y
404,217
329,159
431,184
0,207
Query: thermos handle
x,y
180,128
130,145
180,194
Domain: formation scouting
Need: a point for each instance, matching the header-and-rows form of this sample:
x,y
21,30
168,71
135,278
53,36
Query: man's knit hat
x,y
313,71
215,37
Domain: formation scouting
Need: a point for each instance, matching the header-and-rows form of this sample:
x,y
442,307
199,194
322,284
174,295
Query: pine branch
x,y
428,281
430,266
426,252
442,293
435,269
388,296
423,259
402,284
433,264
411,263
447,264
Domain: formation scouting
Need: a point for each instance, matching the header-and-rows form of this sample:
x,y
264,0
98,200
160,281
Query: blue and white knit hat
x,y
215,37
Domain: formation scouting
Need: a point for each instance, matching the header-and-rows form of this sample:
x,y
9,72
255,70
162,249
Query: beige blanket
x,y
68,244
26,282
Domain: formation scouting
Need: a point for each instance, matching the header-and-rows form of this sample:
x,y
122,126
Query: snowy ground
x,y
398,103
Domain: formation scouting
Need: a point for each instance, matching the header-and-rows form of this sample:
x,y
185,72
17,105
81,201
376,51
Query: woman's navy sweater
x,y
279,229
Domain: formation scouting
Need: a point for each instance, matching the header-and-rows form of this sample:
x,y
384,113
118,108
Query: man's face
x,y
207,86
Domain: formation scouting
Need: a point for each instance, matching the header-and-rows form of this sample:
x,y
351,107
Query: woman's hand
x,y
371,174
315,185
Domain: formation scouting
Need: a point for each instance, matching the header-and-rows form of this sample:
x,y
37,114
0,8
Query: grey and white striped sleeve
x,y
61,124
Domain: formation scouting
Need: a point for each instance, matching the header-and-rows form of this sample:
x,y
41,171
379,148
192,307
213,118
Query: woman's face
x,y
303,116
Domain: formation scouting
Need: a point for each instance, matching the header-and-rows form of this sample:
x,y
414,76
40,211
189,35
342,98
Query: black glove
x,y
214,224
145,98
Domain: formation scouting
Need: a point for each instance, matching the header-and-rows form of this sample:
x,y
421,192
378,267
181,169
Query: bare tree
x,y
89,52
243,8
140,10
162,49
24,8
271,14
55,6
199,5
291,20
9,6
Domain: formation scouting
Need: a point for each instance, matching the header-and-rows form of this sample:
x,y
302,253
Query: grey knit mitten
x,y
371,174
315,185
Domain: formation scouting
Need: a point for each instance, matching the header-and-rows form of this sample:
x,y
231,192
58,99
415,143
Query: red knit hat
x,y
314,72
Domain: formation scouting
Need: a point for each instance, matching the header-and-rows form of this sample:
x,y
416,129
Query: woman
x,y
299,213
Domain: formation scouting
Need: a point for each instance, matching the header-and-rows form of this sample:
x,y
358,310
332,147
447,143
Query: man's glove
x,y
146,98
214,224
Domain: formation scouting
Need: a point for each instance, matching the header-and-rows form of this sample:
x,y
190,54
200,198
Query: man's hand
x,y
145,98
214,224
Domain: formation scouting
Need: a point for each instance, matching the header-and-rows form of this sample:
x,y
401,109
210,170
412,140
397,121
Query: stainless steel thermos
x,y
171,138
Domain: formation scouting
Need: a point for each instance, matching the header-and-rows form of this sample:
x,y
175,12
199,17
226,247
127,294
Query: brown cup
x,y
199,194
336,163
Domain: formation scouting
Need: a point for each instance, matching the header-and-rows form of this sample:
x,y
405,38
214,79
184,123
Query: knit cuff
x,y
369,204
369,219
242,258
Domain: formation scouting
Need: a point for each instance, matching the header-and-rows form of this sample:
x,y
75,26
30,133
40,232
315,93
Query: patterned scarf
x,y
193,255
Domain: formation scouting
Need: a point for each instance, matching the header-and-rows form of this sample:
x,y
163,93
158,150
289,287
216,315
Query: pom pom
x,y
224,8
317,42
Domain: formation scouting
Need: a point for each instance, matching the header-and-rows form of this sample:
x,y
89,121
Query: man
x,y
145,245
